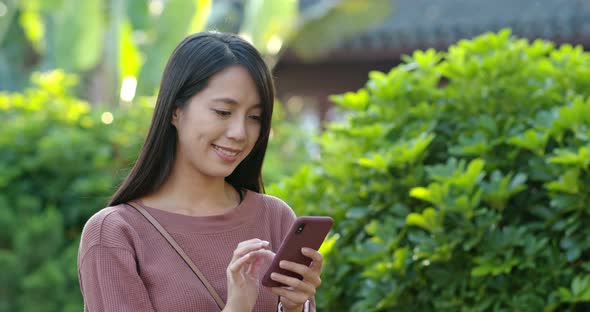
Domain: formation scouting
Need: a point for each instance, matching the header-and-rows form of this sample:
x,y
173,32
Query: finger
x,y
253,256
294,283
236,266
263,254
307,274
251,241
292,295
316,257
249,246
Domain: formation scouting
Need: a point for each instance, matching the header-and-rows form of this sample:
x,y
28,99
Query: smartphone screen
x,y
307,232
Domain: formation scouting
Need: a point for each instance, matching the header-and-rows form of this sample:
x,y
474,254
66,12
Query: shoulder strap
x,y
180,252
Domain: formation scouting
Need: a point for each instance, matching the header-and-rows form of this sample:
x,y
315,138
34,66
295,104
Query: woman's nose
x,y
237,129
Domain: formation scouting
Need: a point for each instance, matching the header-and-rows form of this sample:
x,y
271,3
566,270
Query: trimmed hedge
x,y
459,181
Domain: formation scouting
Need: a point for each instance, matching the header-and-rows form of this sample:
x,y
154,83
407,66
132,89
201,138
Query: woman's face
x,y
219,125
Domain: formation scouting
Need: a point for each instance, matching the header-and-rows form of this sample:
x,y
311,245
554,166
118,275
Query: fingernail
x,y
282,264
273,275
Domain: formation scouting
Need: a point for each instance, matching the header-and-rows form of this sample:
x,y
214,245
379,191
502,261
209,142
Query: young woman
x,y
199,175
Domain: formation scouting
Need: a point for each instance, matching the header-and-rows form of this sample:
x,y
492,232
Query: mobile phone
x,y
310,232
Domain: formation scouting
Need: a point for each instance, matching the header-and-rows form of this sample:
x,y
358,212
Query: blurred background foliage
x,y
107,42
60,159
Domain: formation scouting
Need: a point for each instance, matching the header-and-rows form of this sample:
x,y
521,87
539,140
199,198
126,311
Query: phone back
x,y
307,232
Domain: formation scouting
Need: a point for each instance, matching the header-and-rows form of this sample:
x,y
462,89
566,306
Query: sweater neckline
x,y
233,219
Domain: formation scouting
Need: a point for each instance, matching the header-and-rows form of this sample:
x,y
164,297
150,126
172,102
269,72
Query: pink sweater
x,y
124,264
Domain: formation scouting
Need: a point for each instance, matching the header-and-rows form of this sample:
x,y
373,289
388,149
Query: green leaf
x,y
581,288
493,267
580,159
376,162
565,294
129,55
399,258
476,145
328,244
410,152
429,219
501,188
480,271
421,193
573,116
434,194
79,33
426,59
352,100
32,23
473,174
567,183
532,140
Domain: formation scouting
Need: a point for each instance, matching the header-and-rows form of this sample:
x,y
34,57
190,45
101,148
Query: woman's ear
x,y
175,116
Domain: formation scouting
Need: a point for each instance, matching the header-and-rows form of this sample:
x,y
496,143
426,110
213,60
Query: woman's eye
x,y
256,117
222,112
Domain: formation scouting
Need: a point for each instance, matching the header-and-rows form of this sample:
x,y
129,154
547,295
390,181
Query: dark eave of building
x,y
422,24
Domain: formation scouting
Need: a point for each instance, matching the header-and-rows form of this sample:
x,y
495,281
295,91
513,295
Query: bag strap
x,y
180,252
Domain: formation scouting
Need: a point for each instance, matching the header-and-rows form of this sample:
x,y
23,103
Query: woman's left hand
x,y
297,292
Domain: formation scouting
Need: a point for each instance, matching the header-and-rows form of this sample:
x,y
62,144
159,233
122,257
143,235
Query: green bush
x,y
459,181
59,163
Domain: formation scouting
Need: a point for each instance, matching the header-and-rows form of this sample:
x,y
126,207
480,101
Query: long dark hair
x,y
193,62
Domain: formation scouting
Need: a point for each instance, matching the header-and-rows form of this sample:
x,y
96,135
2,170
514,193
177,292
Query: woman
x,y
199,175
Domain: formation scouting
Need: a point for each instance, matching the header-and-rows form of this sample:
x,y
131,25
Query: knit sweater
x,y
124,264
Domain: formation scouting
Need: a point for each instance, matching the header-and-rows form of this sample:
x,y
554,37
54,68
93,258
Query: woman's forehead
x,y
233,85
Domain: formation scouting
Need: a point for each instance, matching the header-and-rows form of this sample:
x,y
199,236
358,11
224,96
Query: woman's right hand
x,y
243,274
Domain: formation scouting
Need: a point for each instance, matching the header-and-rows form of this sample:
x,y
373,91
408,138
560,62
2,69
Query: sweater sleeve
x,y
107,265
110,282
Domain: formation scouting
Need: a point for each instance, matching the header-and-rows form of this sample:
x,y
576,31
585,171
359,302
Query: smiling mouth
x,y
225,151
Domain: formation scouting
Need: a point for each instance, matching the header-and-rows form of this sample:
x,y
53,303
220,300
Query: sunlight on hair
x,y
128,88
107,118
156,7
274,44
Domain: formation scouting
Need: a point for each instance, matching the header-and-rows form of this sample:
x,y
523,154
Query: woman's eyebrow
x,y
231,101
226,100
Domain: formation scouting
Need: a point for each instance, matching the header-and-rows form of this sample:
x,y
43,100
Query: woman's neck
x,y
193,194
